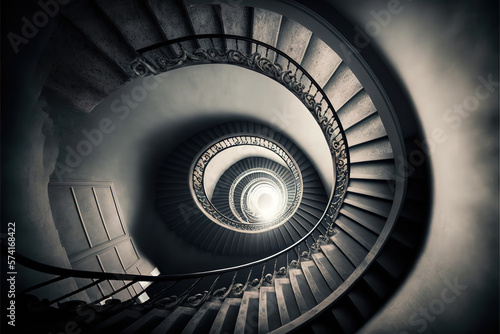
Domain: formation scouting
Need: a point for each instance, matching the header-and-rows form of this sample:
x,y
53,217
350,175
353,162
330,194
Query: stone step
x,y
368,129
359,233
176,321
384,170
327,270
381,147
320,61
204,318
266,28
359,107
287,304
317,283
206,19
339,261
225,320
97,28
248,316
237,20
269,318
147,322
293,40
350,247
301,290
342,86
347,316
172,17
367,219
134,20
378,206
373,188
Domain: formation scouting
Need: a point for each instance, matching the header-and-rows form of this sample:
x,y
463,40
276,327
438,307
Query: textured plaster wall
x,y
443,51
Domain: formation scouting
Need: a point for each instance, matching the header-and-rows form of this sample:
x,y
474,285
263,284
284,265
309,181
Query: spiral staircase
x,y
328,259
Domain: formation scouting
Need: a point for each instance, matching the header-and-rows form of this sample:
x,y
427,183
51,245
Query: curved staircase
x,y
176,204
328,268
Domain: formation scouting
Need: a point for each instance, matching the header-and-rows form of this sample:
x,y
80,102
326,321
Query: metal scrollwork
x,y
318,103
237,288
198,173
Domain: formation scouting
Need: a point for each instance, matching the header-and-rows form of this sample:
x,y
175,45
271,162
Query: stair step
x,y
248,316
268,310
306,217
287,305
358,108
320,61
327,270
204,318
350,247
361,159
367,219
383,170
117,322
374,205
101,32
147,322
172,17
362,299
176,321
362,235
347,316
392,259
379,189
377,147
366,130
72,79
293,40
205,20
134,21
342,86
379,283
314,196
225,320
317,283
325,324
237,20
339,261
315,208
301,290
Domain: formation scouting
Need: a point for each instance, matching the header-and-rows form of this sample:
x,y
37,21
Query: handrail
x,y
330,126
205,156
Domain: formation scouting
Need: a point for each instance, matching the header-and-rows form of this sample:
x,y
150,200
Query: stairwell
x,y
348,269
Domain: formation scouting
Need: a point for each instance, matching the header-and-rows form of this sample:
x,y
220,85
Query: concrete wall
x,y
444,52
29,152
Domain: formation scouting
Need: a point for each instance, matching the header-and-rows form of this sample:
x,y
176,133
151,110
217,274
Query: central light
x,y
265,201
268,205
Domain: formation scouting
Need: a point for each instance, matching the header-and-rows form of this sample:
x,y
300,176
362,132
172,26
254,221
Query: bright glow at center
x,y
268,204
265,201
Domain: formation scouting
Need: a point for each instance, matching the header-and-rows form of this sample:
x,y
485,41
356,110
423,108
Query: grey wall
x,y
440,51
29,151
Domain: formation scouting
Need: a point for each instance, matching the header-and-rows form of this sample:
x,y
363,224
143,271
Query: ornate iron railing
x,y
198,170
276,65
267,60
